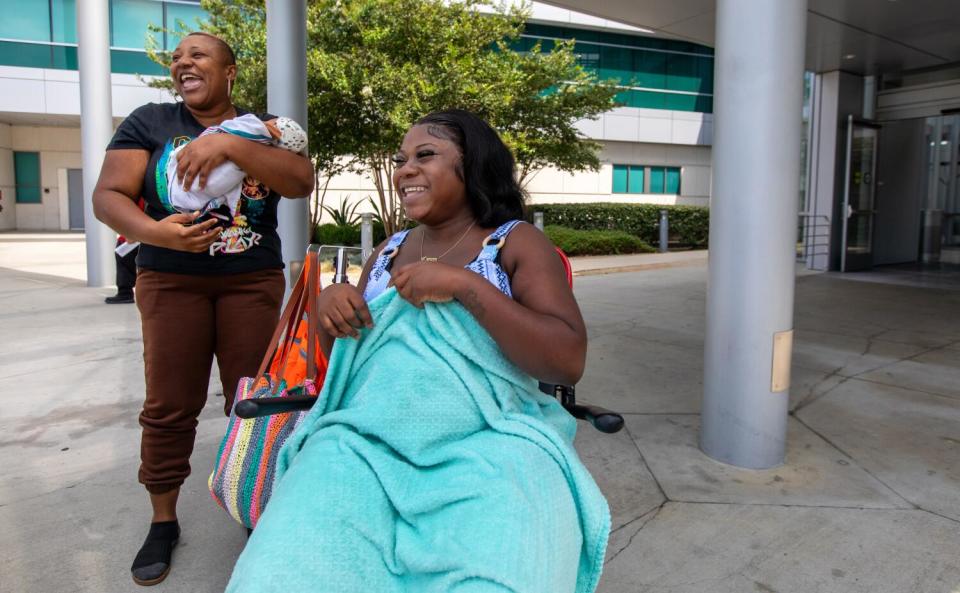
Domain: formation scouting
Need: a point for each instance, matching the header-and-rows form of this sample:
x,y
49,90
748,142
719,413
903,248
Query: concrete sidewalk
x,y
868,500
638,262
62,255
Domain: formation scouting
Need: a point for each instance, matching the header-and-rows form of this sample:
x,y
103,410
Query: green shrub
x,y
574,242
348,235
689,225
336,234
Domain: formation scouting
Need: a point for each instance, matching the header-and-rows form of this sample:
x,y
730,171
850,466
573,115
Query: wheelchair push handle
x,y
267,406
602,419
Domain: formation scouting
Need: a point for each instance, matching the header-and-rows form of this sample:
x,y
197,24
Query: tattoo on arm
x,y
472,302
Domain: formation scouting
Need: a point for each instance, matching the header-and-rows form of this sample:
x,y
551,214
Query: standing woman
x,y
202,289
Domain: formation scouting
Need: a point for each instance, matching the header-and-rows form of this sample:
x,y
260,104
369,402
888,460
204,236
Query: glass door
x,y
941,232
949,171
859,195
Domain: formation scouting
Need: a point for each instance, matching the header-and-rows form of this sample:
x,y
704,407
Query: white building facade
x,y
655,148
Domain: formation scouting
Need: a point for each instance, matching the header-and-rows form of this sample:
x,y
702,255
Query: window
x,y
664,180
683,73
639,179
63,20
653,73
673,180
181,18
130,19
28,20
616,63
651,69
627,179
43,33
656,180
26,174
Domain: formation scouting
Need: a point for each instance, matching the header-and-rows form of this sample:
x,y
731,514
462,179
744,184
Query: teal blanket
x,y
430,463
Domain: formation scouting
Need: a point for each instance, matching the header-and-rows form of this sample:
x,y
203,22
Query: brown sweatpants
x,y
186,320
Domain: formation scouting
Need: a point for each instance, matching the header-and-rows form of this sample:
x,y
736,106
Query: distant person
x,y
205,286
125,255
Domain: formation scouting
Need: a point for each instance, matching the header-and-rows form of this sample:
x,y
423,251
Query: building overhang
x,y
860,36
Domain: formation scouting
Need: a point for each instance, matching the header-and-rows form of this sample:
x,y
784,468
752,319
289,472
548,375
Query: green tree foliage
x,y
376,66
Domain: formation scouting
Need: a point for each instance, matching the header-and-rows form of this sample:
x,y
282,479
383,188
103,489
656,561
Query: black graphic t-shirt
x,y
249,244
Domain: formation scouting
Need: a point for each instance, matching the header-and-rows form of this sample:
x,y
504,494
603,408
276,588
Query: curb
x,y
640,267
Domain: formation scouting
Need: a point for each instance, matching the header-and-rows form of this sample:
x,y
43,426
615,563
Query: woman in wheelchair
x,y
431,462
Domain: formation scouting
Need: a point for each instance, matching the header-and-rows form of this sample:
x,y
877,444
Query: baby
x,y
224,182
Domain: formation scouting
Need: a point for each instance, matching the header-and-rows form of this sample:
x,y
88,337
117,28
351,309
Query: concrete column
x,y
753,227
96,129
287,96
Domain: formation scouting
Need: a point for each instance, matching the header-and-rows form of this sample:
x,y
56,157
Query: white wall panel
x,y
695,181
61,98
30,217
22,95
655,129
57,92
619,127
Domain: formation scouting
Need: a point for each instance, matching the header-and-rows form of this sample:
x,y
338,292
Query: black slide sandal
x,y
152,563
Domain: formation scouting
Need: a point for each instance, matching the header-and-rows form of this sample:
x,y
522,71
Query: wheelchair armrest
x,y
268,406
602,419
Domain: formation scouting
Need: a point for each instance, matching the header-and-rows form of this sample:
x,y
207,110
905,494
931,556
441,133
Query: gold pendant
x,y
433,259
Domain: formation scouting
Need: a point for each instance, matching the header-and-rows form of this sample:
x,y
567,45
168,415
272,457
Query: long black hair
x,y
488,170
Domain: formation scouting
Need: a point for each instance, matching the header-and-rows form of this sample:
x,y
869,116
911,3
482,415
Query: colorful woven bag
x,y
242,479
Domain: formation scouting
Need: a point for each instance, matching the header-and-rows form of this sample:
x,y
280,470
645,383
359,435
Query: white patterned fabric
x,y
224,183
487,262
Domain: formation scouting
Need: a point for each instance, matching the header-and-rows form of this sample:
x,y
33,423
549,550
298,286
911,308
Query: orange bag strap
x,y
311,271
286,327
313,289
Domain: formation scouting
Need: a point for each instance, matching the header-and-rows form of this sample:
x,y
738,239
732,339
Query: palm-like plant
x,y
346,214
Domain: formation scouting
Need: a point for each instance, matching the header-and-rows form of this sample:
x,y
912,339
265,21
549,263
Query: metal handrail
x,y
814,230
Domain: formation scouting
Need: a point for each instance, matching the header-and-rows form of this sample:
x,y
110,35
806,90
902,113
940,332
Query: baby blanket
x,y
223,185
430,463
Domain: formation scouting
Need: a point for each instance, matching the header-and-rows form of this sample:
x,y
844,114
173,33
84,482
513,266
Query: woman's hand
x,y
176,232
201,156
433,282
342,311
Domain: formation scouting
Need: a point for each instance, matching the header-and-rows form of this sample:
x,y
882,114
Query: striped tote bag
x,y
293,366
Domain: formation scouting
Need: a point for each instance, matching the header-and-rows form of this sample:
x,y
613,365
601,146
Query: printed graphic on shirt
x,y
237,235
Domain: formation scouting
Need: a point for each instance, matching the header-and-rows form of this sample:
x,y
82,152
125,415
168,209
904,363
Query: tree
x,y
376,66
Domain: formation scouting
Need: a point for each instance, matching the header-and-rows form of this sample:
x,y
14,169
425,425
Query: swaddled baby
x,y
225,181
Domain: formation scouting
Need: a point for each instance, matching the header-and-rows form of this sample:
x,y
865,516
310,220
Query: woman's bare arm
x,y
342,307
115,204
540,329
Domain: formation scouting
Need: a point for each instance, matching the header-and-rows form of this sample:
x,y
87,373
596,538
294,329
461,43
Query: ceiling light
x,y
849,56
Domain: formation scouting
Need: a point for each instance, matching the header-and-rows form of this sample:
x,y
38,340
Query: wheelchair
x,y
600,418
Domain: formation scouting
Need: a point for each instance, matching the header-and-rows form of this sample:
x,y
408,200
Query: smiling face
x,y
428,177
200,70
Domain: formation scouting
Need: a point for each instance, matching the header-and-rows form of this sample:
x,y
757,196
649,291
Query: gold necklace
x,y
439,257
